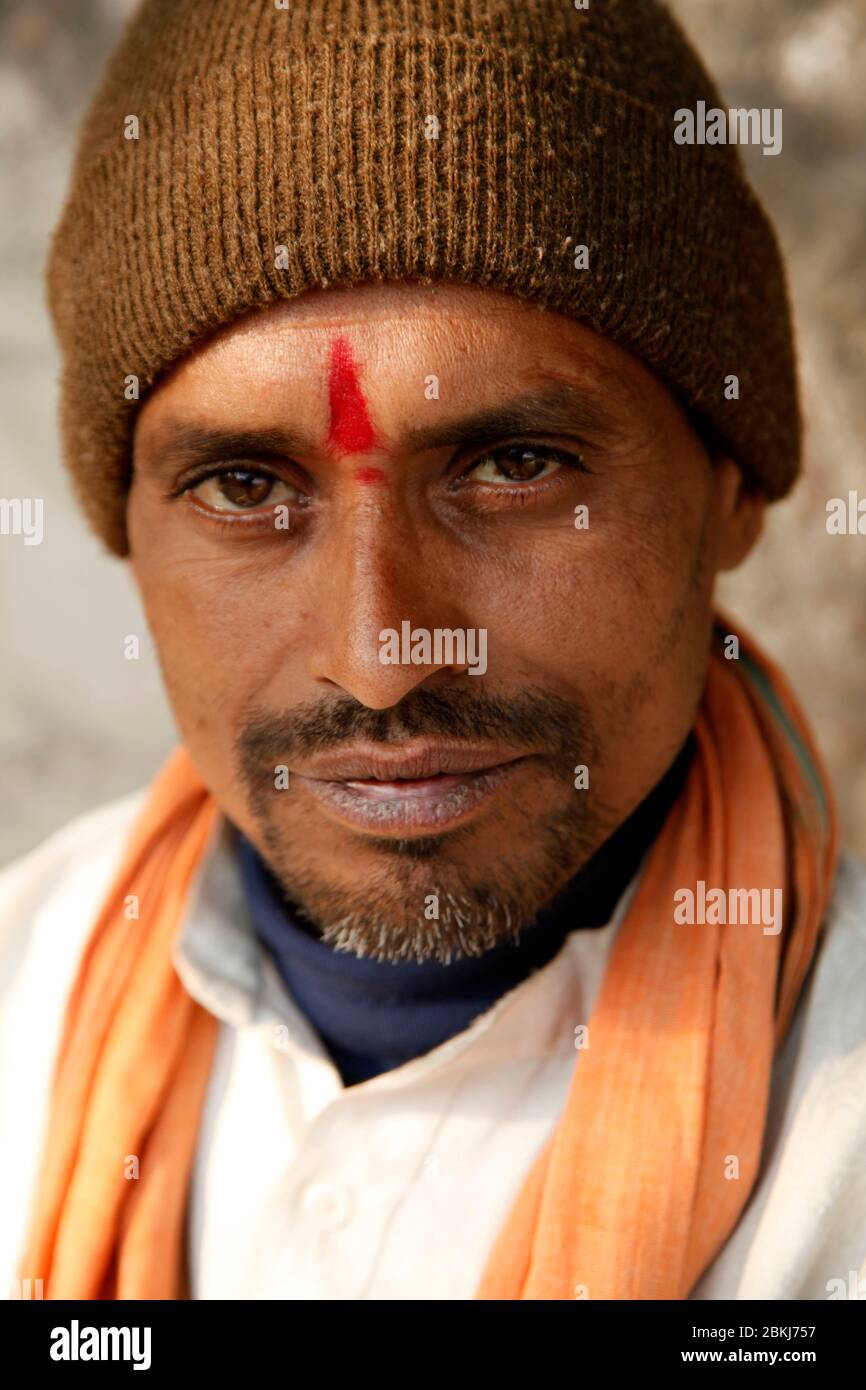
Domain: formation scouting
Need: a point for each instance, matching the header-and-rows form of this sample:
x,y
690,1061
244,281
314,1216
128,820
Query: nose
x,y
375,575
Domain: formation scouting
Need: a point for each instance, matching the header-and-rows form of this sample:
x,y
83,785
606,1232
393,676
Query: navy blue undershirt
x,y
375,1015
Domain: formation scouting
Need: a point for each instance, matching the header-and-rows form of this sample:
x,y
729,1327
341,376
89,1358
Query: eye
x,y
239,489
521,463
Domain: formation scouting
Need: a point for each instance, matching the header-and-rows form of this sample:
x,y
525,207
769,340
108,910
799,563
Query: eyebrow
x,y
181,443
558,409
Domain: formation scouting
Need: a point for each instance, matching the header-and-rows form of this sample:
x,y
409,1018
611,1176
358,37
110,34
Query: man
x,y
485,936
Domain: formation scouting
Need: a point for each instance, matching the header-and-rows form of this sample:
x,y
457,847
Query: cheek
x,y
612,613
214,649
645,617
604,594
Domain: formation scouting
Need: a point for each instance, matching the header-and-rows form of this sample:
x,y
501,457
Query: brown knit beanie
x,y
288,144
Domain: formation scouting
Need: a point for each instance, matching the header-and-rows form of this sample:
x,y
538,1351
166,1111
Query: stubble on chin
x,y
434,898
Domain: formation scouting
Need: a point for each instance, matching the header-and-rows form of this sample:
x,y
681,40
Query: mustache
x,y
529,718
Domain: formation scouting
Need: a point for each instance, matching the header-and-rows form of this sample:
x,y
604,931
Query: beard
x,y
441,896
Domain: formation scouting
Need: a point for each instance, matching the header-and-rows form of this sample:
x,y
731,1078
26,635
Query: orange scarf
x,y
654,1156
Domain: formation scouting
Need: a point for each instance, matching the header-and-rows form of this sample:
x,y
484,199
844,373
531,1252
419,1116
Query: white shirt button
x,y
327,1204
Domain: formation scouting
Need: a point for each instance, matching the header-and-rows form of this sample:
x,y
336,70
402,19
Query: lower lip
x,y
429,805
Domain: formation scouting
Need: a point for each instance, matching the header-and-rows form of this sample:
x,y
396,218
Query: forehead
x,y
475,342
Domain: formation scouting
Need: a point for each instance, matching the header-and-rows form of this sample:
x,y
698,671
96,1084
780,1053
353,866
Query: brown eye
x,y
243,489
520,463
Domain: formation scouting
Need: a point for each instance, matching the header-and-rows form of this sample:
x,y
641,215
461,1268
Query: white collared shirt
x,y
396,1187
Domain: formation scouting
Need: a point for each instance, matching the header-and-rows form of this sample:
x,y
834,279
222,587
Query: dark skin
x,y
268,622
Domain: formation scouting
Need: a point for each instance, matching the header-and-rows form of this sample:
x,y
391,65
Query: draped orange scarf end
x,y
657,1149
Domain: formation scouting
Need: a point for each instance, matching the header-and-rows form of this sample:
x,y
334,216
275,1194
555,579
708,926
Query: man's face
x,y
413,556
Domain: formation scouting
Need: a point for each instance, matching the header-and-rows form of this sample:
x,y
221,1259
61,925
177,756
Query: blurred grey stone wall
x,y
80,724
803,592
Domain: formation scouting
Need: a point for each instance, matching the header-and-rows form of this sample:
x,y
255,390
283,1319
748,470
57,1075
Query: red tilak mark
x,y
351,431
368,475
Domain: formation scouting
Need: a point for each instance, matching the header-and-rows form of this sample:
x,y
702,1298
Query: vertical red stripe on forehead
x,y
351,431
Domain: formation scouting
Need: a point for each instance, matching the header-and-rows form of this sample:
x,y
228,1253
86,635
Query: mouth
x,y
414,789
